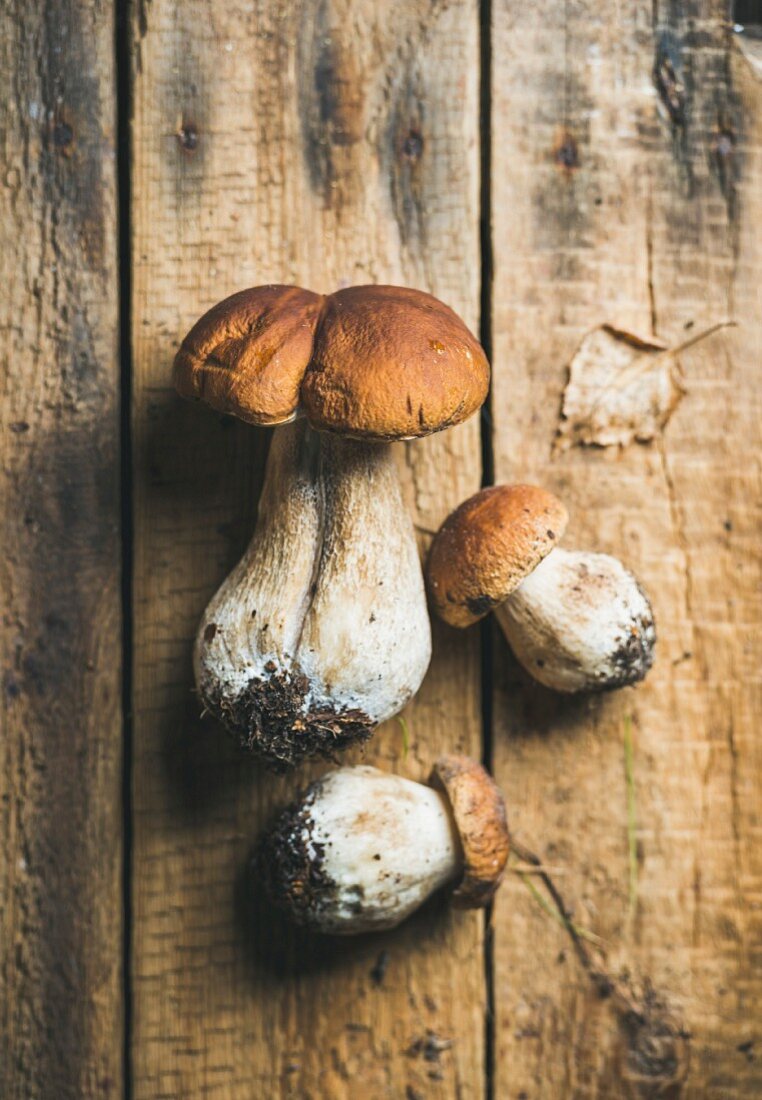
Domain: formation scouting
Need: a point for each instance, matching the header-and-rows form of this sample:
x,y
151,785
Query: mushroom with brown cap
x,y
322,631
362,848
576,621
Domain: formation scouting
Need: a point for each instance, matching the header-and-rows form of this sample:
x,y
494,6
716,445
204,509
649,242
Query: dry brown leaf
x,y
621,387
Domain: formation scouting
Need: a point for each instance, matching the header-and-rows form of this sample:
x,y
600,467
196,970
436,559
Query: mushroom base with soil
x,y
362,849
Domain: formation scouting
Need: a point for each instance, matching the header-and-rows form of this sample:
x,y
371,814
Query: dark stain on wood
x,y
62,136
187,135
60,821
404,154
73,144
564,213
186,141
670,78
66,626
694,80
724,160
566,152
331,98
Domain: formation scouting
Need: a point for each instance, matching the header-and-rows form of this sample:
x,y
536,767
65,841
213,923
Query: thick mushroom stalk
x,y
576,621
322,631
580,622
362,849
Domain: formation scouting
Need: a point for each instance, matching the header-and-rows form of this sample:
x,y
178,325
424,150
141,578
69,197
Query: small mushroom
x,y
322,630
362,849
576,621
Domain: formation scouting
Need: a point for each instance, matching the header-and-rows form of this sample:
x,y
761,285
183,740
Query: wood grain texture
x,y
61,997
622,194
327,144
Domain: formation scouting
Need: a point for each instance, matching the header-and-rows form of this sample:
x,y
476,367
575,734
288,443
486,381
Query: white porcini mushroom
x,y
322,630
362,849
576,621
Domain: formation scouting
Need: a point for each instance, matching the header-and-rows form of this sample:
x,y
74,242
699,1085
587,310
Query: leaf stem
x,y
405,736
702,336
632,820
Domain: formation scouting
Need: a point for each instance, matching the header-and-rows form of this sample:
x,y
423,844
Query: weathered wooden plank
x,y
60,748
626,193
325,144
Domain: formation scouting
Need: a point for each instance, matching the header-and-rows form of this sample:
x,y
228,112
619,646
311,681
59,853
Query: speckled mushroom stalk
x,y
576,621
322,631
362,849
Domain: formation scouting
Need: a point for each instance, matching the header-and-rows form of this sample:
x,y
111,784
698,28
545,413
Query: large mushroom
x,y
362,849
322,631
576,621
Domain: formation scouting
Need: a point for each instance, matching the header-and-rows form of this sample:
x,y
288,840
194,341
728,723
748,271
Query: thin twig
x,y
602,981
518,868
699,336
405,736
632,822
630,1007
544,904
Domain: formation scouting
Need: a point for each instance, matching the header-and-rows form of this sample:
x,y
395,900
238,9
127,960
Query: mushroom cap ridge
x,y
478,809
371,362
487,546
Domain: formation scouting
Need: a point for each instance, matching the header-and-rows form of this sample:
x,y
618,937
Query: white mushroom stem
x,y
361,851
321,631
580,622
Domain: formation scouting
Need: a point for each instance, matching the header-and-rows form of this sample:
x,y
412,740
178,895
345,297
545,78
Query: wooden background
x,y
543,168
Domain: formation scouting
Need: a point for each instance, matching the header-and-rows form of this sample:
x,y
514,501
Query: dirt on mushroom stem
x,y
289,863
269,720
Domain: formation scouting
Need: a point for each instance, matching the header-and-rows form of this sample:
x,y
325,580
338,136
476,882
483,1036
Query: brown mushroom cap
x,y
478,809
247,355
486,547
372,362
